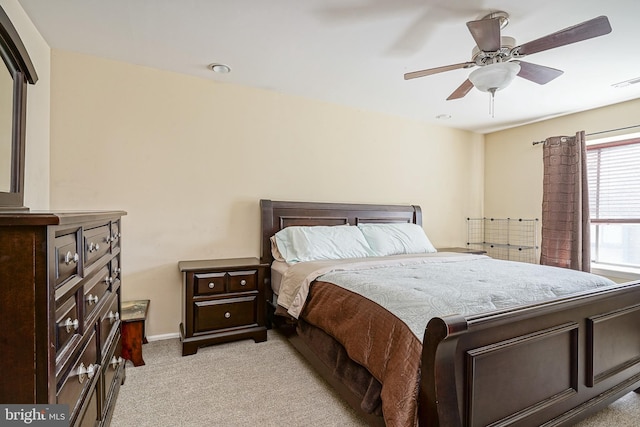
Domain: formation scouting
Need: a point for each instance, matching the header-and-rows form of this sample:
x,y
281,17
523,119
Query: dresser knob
x,y
93,247
69,258
227,315
116,361
117,271
113,317
107,239
243,282
84,373
108,280
212,285
70,324
92,299
91,370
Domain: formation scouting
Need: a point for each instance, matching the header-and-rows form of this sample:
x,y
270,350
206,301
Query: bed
x,y
542,363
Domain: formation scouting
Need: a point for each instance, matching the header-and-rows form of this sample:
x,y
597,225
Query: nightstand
x,y
463,250
222,300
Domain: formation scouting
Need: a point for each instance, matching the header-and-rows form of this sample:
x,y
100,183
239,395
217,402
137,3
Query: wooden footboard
x,y
548,364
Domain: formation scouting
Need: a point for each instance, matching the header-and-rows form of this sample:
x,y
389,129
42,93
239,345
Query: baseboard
x,y
163,337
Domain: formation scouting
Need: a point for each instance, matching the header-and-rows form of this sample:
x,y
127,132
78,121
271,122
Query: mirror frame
x,y
15,56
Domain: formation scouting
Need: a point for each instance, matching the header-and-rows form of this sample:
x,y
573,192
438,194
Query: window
x,y
614,202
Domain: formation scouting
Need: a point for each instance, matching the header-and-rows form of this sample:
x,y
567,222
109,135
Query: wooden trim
x,y
515,360
15,51
606,332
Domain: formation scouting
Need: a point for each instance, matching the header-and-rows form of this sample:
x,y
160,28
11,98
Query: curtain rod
x,y
596,133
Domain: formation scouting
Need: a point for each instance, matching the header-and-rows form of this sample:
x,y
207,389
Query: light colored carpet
x,y
244,384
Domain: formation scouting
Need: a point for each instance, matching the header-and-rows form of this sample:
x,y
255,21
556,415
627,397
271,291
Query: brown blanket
x,y
377,340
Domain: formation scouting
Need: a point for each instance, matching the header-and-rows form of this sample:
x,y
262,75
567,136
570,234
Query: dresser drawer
x,y
240,281
224,313
109,321
67,321
115,268
91,415
96,243
95,290
209,283
115,234
112,365
67,255
80,377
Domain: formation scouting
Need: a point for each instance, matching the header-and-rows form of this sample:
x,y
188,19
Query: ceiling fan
x,y
499,58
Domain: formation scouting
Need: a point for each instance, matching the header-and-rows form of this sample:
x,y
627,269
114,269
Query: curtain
x,y
565,204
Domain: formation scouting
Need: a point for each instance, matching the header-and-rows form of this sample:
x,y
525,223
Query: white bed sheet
x,y
278,269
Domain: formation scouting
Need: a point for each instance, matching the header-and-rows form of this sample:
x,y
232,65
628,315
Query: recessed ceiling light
x,y
443,116
220,68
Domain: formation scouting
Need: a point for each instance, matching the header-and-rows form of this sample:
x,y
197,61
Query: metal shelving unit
x,y
505,238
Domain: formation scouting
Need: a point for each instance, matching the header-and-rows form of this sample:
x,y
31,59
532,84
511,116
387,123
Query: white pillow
x,y
396,238
297,243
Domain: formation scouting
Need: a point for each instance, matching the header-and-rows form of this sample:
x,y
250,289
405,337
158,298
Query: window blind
x,y
614,180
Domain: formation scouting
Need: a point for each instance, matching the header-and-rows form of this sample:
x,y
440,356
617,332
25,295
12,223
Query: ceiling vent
x,y
627,82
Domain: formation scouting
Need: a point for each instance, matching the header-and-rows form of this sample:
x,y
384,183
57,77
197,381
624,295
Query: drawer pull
x,y
117,271
108,280
70,324
243,282
113,317
93,247
107,239
84,373
227,315
69,258
92,299
212,285
116,362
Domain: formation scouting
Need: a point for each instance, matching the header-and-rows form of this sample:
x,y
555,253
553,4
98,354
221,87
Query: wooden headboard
x,y
276,215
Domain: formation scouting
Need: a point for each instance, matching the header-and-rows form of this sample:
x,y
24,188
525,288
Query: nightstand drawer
x,y
224,313
240,281
209,283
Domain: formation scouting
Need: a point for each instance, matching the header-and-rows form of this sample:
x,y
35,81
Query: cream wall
x,y
190,158
513,166
36,180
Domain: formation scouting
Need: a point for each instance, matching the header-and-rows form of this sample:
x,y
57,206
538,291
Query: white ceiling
x,y
355,52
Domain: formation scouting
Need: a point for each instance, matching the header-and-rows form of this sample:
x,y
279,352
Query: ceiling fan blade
x,y
462,90
586,30
538,73
428,72
486,33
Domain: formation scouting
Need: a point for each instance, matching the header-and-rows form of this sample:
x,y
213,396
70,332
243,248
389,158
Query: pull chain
x,y
492,102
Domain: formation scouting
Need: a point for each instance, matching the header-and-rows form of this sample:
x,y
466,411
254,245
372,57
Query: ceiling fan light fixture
x,y
494,77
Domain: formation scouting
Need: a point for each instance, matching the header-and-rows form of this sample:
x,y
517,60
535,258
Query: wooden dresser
x,y
60,311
